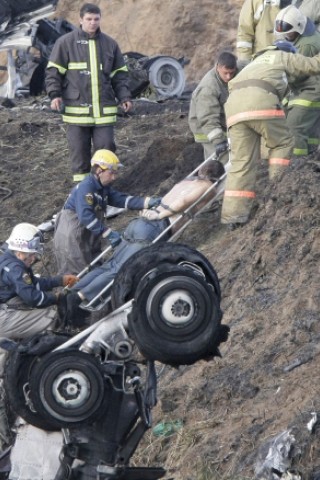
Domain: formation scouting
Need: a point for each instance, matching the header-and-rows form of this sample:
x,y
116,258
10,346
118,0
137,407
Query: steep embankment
x,y
196,30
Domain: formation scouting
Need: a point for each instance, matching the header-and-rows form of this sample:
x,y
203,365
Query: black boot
x,y
76,316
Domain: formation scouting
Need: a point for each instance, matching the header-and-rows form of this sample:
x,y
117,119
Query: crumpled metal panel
x,y
35,455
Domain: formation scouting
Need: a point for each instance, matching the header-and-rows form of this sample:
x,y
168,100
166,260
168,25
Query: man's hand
x,y
222,147
150,214
126,106
113,237
57,104
69,280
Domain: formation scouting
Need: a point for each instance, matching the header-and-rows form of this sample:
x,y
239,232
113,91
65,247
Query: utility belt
x,y
256,83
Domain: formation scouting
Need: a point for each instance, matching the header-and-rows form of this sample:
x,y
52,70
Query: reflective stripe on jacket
x,y
273,67
256,24
90,75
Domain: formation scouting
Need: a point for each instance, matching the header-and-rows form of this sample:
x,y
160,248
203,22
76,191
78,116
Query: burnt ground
x,y
267,380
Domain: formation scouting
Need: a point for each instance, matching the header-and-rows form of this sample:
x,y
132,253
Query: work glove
x,y
113,237
221,147
154,202
69,280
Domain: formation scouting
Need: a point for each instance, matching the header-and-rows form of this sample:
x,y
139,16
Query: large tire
x,y
176,316
67,388
167,76
131,272
16,380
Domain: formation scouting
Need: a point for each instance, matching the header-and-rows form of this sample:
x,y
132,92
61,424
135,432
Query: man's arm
x,y
246,31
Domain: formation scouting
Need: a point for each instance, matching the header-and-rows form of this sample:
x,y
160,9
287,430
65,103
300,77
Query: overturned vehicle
x,y
96,389
28,38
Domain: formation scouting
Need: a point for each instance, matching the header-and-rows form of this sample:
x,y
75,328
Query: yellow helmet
x,y
106,160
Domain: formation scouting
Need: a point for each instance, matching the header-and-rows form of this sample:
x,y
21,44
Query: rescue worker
x,y
207,119
27,305
303,108
254,111
143,230
255,29
79,226
86,77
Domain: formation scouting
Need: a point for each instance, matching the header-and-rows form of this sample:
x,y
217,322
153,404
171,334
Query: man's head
x,y
290,23
26,242
90,17
226,66
105,165
211,170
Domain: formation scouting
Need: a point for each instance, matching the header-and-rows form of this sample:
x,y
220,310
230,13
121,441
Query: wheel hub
x,y
71,389
177,307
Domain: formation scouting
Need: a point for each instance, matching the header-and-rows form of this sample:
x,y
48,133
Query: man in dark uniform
x,y
86,78
80,226
26,301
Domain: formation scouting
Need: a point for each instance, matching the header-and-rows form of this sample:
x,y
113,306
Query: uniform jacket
x,y
256,25
16,279
89,198
90,75
207,119
250,101
307,86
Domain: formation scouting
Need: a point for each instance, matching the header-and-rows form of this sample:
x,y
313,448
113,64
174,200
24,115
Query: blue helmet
x,y
285,46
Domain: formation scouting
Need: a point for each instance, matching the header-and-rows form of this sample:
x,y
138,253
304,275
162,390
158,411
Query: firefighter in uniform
x,y
254,111
26,301
85,78
255,29
79,226
303,108
207,119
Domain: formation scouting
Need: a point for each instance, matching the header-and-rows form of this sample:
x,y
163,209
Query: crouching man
x,y
26,301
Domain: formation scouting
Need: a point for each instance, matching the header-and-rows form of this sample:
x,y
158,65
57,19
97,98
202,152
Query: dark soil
x,y
267,380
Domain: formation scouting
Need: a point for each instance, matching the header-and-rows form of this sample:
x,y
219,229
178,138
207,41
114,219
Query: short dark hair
x,y
89,8
212,169
227,59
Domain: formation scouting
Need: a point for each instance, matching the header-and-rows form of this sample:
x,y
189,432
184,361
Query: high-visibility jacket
x,y
256,26
90,75
207,119
258,90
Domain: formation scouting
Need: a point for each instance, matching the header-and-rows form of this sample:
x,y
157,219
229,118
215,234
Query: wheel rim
x,y
70,389
176,308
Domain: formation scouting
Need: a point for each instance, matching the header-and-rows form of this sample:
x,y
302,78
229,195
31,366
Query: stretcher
x,y
104,297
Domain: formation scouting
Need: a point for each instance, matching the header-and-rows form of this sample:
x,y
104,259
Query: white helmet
x,y
25,238
291,19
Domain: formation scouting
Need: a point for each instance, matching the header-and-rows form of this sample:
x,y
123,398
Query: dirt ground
x,y
267,380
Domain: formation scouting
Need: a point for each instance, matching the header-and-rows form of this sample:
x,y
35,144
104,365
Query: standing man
x,y
79,225
207,119
86,77
254,111
303,109
255,29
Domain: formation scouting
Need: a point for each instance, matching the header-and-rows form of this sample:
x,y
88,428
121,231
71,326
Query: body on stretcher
x,y
176,225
